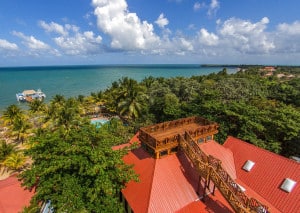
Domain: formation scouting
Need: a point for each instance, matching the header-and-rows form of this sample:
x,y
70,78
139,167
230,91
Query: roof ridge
x,y
151,188
257,147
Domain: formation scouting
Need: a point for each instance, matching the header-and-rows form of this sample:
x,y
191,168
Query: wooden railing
x,y
206,127
210,168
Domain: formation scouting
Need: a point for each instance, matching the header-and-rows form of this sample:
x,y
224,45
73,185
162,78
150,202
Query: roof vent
x,y
288,185
248,165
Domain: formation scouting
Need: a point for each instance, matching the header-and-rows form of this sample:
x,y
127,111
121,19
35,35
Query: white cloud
x,y
162,21
198,6
290,29
206,38
213,7
31,42
53,27
72,41
81,43
6,45
246,36
126,30
287,37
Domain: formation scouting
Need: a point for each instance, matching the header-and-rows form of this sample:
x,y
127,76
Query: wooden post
x,y
157,155
214,188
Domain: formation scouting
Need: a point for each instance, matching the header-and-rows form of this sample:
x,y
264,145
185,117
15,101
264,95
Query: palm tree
x,y
38,109
6,149
58,99
55,105
11,113
37,106
15,161
131,102
21,128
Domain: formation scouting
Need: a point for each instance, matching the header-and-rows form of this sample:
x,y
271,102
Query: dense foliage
x,y
263,110
74,165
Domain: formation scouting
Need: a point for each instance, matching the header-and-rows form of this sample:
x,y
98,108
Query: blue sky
x,y
71,32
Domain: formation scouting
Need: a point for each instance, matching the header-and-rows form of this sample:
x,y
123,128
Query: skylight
x,y
288,185
248,165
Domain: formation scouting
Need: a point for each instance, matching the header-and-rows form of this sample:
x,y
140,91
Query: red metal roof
x,y
162,187
170,189
168,184
267,175
222,153
138,193
13,198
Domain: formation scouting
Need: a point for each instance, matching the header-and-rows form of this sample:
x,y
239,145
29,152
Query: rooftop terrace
x,y
163,138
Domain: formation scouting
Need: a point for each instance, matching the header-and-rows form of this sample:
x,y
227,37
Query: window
x,y
208,137
164,152
200,140
248,165
174,149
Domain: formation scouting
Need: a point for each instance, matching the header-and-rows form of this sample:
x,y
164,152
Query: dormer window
x,y
288,185
248,165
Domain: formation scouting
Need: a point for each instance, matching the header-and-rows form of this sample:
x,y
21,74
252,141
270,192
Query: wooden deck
x,y
162,134
165,137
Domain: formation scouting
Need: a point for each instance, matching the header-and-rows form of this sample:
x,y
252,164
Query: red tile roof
x,y
13,198
267,175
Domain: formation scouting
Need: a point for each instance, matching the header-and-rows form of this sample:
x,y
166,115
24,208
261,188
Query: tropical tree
x,y
21,128
15,161
127,98
11,113
6,149
37,106
78,173
131,105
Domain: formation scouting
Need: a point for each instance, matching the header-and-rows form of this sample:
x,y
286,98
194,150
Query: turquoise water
x,y
72,81
99,122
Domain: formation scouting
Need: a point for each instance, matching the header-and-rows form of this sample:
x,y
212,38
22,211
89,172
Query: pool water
x,y
99,122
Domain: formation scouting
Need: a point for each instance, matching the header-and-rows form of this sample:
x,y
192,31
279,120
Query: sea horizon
x,y
74,80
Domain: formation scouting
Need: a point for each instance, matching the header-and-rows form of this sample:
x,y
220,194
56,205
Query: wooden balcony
x,y
163,138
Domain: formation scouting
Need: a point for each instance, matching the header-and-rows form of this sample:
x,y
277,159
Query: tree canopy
x,y
261,110
74,165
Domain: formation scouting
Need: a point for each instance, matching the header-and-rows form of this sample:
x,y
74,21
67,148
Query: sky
x,y
84,32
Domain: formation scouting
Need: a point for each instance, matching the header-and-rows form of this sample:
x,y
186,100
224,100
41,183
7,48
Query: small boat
x,y
30,95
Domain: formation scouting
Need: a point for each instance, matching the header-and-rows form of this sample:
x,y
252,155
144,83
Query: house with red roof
x,y
182,169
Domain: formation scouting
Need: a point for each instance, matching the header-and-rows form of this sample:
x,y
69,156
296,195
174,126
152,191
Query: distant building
x,y
182,169
280,75
269,69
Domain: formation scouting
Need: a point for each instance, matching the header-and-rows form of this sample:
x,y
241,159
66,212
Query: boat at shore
x,y
30,95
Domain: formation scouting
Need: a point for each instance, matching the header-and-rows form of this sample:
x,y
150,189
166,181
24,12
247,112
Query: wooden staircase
x,y
211,170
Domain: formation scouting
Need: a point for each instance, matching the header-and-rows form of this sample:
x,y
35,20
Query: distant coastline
x,y
175,66
73,80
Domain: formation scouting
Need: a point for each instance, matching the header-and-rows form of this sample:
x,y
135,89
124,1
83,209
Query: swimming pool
x,y
99,121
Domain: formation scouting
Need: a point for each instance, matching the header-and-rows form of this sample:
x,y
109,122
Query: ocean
x,y
72,81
